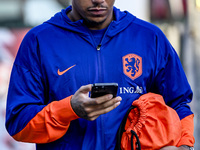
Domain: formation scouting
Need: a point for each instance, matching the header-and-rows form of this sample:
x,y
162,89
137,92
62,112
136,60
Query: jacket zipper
x,y
99,63
98,48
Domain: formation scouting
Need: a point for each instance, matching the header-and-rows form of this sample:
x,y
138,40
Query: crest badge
x,y
132,66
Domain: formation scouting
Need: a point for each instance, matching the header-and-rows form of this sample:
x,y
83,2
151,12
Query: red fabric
x,y
50,124
187,134
156,124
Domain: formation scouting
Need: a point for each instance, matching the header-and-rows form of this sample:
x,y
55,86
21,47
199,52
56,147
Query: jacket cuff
x,y
187,137
63,111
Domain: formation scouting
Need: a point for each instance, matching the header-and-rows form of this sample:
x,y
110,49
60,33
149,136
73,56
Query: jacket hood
x,y
122,20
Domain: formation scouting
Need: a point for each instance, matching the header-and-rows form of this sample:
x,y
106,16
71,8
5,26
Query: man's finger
x,y
85,88
103,111
100,100
93,106
108,103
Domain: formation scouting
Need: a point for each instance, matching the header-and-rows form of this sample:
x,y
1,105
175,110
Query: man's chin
x,y
94,23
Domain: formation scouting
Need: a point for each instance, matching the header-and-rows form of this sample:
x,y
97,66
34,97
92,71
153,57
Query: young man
x,y
91,42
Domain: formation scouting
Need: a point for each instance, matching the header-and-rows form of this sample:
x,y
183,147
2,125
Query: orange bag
x,y
152,122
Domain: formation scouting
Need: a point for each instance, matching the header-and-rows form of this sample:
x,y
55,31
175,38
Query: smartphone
x,y
100,89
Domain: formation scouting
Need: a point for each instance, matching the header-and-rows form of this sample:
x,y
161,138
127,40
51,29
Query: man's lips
x,y
97,10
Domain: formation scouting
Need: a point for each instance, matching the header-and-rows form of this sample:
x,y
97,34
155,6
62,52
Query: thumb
x,y
85,89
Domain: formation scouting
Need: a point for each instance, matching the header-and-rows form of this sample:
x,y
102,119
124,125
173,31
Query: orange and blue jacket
x,y
59,56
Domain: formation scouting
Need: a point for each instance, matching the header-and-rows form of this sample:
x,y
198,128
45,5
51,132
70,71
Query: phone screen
x,y
100,89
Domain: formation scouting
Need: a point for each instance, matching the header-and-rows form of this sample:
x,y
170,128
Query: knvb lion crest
x,y
132,66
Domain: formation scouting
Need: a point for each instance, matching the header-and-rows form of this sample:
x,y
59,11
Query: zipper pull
x,y
99,47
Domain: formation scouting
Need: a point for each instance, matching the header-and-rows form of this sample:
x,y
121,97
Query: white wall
x,y
139,8
36,12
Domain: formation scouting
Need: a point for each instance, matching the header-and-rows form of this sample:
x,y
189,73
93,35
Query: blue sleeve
x,y
25,94
170,79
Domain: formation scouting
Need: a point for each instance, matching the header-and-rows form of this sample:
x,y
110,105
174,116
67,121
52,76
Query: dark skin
x,y
97,14
91,108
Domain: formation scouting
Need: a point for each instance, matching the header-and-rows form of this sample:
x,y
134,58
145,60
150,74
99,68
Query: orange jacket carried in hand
x,y
155,124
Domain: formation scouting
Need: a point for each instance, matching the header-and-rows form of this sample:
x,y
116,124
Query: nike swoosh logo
x,y
62,72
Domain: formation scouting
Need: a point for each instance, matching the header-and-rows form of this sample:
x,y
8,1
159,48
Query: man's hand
x,y
91,108
174,148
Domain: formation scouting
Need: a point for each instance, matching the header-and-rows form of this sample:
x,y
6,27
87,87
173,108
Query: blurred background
x,y
178,19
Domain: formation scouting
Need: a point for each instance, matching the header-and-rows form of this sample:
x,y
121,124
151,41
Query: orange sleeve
x,y
187,137
50,124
